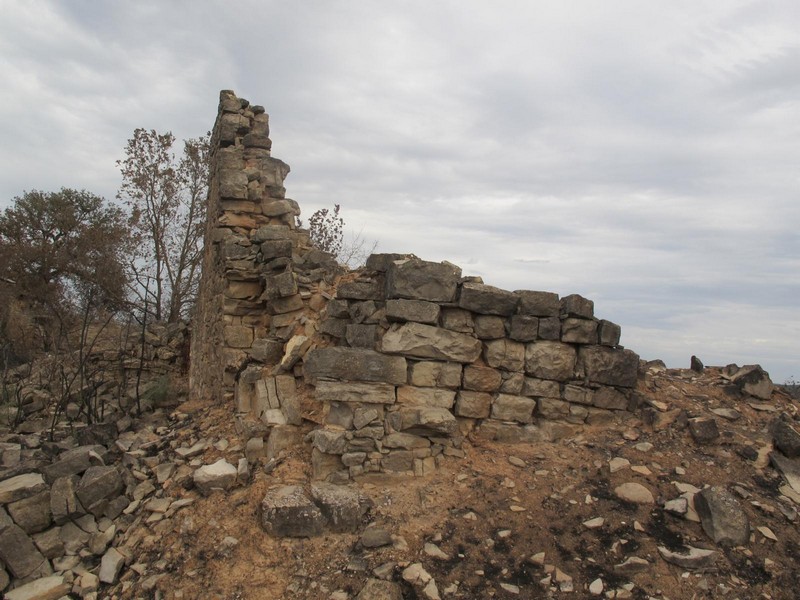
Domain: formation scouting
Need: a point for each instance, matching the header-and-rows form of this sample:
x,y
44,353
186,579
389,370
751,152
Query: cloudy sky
x,y
643,154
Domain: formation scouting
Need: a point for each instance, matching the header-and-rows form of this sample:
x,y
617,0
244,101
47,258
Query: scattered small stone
x,y
635,493
767,533
537,559
693,558
517,462
510,588
631,566
375,537
434,551
596,587
618,463
595,523
727,413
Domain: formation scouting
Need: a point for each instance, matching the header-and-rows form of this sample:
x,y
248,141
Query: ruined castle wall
x,y
401,360
260,274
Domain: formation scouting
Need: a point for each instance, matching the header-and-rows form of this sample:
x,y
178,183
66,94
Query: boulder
x,y
487,300
18,552
755,381
32,514
286,511
550,360
342,507
425,341
356,364
704,430
417,279
786,438
608,366
97,485
722,516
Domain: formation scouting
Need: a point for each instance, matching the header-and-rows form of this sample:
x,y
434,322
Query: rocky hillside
x,y
694,495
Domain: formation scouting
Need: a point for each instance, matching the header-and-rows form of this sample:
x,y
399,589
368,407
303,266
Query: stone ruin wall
x,y
397,362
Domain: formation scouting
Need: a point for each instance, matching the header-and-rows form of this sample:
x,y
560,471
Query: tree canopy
x,y
57,246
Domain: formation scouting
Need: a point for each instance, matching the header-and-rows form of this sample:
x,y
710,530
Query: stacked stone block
x,y
421,354
262,282
403,357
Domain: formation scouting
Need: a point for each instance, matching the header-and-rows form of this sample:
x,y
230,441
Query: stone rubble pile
x,y
75,519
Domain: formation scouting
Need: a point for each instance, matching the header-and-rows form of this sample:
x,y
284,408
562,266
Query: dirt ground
x,y
492,519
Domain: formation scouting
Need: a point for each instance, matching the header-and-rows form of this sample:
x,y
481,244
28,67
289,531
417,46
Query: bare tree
x,y
167,198
326,231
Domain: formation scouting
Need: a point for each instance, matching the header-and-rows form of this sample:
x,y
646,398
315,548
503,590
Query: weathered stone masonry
x,y
403,357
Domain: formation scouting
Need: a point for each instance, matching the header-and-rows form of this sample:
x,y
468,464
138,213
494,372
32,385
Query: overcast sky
x,y
643,154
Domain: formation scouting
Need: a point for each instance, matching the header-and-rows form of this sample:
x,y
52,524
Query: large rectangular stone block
x,y
424,396
513,408
579,331
550,360
505,354
487,300
418,279
354,364
419,311
349,391
609,366
435,374
537,304
475,405
425,341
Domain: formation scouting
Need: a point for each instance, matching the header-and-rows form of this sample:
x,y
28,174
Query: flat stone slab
x,y
355,364
287,511
45,588
417,279
21,486
354,391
